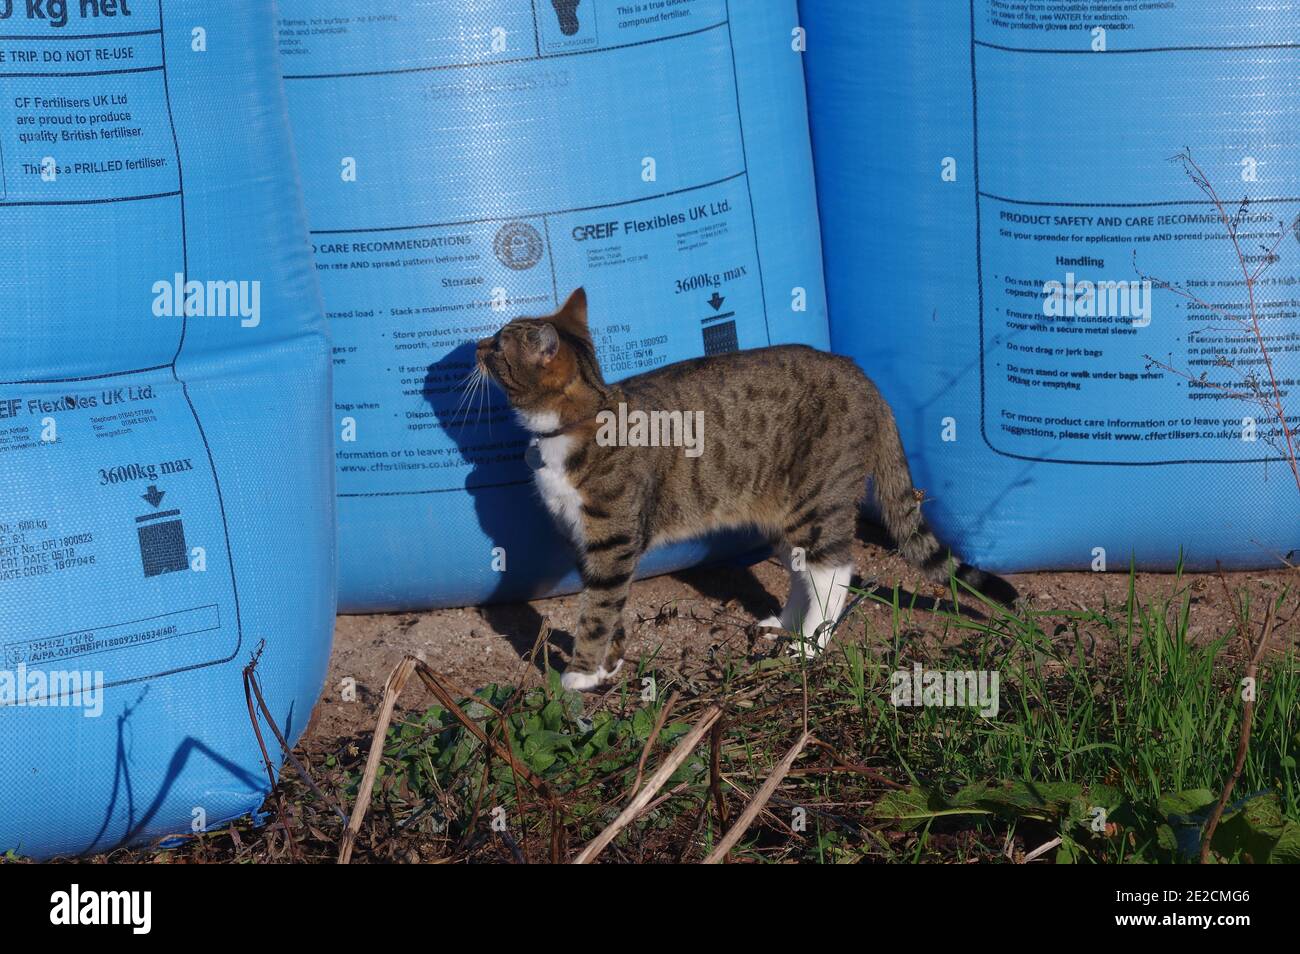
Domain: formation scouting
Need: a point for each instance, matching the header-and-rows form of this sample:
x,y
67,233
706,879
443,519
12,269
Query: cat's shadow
x,y
727,583
509,513
872,533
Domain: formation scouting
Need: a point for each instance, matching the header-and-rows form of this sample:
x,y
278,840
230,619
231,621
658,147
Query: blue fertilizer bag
x,y
165,483
1062,238
468,162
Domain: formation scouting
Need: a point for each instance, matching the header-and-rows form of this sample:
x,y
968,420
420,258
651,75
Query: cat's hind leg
x,y
821,542
827,589
796,603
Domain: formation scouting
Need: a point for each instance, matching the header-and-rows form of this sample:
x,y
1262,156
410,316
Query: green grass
x,y
1116,734
1118,704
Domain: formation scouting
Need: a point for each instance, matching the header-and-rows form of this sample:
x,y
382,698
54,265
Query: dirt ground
x,y
683,618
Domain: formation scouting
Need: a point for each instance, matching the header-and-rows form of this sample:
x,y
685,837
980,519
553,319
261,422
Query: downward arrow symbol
x,y
154,496
716,301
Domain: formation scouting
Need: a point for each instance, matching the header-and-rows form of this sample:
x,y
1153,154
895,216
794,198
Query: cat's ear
x,y
572,317
548,344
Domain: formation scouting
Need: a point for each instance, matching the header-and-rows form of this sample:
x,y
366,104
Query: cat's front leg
x,y
610,557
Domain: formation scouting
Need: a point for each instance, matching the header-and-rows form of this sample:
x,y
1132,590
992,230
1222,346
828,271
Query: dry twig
x,y
757,802
1247,720
650,743
656,781
392,689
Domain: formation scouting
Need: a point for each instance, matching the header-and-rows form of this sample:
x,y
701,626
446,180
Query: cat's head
x,y
547,367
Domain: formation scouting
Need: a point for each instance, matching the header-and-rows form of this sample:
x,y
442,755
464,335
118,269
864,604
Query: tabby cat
x,y
788,436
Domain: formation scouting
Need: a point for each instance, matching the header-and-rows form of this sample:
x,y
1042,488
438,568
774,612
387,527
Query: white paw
x,y
580,681
807,648
810,647
772,622
574,681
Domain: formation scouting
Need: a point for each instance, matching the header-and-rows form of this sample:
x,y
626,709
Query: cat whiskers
x,y
477,394
484,398
473,385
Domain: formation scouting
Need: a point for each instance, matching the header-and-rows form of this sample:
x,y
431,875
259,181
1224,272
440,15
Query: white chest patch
x,y
560,496
538,422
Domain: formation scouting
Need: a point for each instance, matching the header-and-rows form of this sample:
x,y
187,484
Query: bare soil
x,y
686,619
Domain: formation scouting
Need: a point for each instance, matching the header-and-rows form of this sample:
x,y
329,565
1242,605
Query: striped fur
x,y
791,436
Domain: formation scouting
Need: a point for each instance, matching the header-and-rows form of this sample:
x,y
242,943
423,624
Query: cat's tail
x,y
900,505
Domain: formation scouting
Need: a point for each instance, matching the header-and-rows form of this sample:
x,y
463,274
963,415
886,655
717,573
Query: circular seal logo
x,y
518,245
